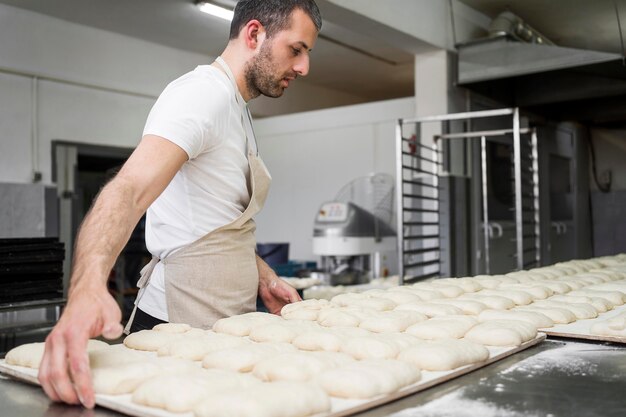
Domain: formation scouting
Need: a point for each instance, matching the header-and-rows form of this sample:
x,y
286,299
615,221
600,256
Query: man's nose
x,y
302,66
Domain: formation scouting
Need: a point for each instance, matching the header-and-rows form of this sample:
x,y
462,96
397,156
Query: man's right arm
x,y
91,311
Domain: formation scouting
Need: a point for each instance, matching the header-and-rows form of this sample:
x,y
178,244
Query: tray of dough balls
x,y
322,358
342,356
583,299
595,306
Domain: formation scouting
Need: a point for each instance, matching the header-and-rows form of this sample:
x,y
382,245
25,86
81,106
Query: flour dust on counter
x,y
456,404
569,360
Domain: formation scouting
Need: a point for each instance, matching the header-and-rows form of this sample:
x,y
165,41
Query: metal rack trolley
x,y
419,170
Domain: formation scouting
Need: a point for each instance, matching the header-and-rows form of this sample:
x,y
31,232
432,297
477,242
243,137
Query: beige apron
x,y
217,276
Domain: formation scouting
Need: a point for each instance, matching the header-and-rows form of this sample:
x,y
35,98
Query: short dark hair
x,y
274,15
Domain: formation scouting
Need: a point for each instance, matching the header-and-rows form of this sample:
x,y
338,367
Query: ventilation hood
x,y
557,82
503,58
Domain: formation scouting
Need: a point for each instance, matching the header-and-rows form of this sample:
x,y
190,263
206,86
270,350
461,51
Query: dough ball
x,y
466,284
518,297
616,298
430,309
422,293
149,340
615,327
445,327
370,347
582,311
400,340
486,281
302,314
316,340
312,304
573,283
556,287
169,365
495,302
470,307
338,318
391,321
368,378
556,314
297,366
277,399
612,286
448,291
172,327
601,305
196,348
361,300
349,331
114,355
537,292
29,355
243,324
180,393
538,320
502,333
278,332
244,358
124,378
444,355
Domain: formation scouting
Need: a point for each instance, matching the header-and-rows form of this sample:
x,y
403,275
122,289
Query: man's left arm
x,y
274,292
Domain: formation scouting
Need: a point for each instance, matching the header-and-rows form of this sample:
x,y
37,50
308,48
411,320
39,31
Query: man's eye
x,y
295,51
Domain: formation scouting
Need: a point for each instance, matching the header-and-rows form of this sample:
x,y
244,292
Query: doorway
x,y
80,171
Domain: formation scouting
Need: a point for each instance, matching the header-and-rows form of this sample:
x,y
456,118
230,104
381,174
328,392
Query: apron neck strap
x,y
246,120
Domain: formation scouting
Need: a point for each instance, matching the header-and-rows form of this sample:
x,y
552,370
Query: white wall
x,y
302,97
94,87
312,155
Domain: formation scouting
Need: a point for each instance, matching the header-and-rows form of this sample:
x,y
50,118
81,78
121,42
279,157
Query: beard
x,y
263,76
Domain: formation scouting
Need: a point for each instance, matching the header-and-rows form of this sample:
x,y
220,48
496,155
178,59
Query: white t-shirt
x,y
200,113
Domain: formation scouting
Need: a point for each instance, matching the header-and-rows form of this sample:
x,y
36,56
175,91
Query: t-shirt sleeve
x,y
189,113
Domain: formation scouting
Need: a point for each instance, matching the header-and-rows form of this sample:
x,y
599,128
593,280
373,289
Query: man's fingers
x,y
80,373
60,379
296,297
44,376
112,330
111,317
289,294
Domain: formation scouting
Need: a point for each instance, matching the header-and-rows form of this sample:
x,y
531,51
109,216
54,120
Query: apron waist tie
x,y
144,279
146,272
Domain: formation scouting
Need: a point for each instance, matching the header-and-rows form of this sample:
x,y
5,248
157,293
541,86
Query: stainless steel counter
x,y
555,378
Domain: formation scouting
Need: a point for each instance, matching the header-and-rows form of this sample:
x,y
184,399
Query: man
x,y
197,172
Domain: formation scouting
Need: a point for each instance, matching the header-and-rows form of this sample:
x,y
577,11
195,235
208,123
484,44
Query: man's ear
x,y
254,34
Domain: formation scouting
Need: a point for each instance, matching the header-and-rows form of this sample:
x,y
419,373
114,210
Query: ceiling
x,y
352,61
179,24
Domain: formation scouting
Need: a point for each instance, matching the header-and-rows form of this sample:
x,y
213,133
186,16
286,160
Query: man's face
x,y
282,58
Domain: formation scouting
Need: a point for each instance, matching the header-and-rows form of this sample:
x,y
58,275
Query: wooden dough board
x,y
581,329
340,407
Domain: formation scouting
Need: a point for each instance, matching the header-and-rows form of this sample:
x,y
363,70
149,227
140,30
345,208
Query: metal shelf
x,y
525,183
29,305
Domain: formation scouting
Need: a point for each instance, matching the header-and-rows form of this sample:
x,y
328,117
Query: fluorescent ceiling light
x,y
215,10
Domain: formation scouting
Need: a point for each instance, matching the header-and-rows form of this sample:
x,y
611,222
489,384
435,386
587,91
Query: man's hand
x,y
274,292
64,371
